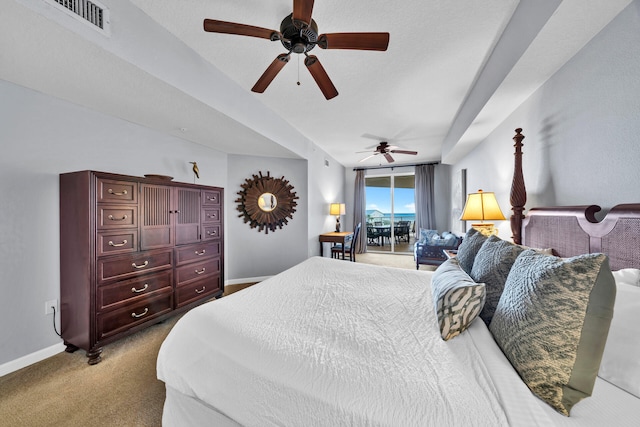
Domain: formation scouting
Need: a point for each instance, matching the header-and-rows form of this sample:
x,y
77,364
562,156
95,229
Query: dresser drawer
x,y
112,191
211,197
127,266
116,242
113,216
120,320
197,270
140,287
200,251
210,232
210,214
197,289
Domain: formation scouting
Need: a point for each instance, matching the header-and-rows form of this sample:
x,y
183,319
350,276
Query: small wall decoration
x,y
266,202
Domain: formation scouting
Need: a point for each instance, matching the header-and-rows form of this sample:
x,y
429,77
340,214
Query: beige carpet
x,y
122,390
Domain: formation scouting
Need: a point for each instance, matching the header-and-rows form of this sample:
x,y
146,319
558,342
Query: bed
x,y
330,343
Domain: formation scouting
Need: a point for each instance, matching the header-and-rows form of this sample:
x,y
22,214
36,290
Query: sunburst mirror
x,y
266,202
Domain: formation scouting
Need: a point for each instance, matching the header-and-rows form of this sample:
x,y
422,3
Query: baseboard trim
x,y
30,359
246,280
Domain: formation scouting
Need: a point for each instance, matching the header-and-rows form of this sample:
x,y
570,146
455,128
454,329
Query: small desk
x,y
334,237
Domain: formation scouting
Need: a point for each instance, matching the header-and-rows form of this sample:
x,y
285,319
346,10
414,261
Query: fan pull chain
x,y
298,70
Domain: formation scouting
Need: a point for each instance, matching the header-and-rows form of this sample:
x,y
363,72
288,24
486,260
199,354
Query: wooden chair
x,y
349,246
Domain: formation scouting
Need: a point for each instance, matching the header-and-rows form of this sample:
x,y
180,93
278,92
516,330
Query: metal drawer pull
x,y
201,290
137,291
212,233
124,192
211,216
201,253
117,245
118,219
146,310
201,271
213,199
140,266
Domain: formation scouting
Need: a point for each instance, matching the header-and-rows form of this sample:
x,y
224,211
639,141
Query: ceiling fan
x,y
385,149
299,34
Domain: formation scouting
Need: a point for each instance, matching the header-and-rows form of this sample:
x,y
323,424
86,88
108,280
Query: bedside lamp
x,y
337,209
482,206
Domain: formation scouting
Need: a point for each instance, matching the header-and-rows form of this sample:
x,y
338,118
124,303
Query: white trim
x,y
30,359
246,280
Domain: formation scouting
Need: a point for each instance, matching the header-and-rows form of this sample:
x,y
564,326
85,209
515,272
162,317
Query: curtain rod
x,y
392,167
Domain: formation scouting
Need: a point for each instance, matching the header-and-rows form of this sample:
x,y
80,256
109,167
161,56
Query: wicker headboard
x,y
574,230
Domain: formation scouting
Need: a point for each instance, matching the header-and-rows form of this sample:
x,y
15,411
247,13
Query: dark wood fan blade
x,y
270,73
404,152
320,76
215,26
302,10
358,41
368,157
388,157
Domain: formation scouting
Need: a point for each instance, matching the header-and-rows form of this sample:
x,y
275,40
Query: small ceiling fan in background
x,y
385,149
299,34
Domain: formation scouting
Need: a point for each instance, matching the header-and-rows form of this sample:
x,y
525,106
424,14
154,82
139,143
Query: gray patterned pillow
x,y
468,249
552,323
457,299
491,266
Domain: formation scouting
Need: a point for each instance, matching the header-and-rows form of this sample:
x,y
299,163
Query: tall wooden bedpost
x,y
518,191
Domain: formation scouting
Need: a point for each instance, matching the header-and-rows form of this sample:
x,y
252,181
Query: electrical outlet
x,y
49,304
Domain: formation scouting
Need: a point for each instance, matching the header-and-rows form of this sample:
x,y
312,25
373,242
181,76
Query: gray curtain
x,y
425,212
359,212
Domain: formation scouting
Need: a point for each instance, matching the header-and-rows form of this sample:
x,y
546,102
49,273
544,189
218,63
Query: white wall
x,y
581,130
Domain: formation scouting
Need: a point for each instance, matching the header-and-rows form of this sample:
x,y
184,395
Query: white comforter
x,y
330,343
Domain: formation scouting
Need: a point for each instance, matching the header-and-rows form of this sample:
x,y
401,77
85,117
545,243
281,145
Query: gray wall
x,y
43,136
254,254
581,130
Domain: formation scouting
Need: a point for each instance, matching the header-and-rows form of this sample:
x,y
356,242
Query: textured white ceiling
x,y
445,82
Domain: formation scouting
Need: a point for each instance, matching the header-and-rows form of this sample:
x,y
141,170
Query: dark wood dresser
x,y
134,251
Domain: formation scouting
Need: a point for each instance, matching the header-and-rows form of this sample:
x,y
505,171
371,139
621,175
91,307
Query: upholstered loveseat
x,y
430,247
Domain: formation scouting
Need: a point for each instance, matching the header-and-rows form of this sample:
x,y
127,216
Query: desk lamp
x,y
337,209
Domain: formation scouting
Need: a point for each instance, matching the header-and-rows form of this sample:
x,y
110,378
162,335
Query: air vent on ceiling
x,y
90,11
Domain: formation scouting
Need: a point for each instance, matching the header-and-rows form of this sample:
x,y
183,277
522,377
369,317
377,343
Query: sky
x,y
380,198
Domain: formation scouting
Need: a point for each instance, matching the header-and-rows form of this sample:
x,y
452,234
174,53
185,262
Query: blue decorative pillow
x,y
468,249
426,235
491,266
447,239
458,300
552,323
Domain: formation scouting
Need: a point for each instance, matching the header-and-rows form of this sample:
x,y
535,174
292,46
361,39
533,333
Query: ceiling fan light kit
x,y
299,34
385,149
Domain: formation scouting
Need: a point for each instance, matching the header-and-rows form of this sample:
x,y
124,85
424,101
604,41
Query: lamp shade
x,y
482,206
337,209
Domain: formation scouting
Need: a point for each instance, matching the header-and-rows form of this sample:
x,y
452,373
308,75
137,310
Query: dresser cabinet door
x,y
187,215
157,218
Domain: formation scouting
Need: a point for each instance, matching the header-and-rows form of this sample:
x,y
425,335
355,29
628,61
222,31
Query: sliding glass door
x,y
390,213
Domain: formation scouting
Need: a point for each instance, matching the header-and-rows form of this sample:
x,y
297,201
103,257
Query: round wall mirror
x,y
266,202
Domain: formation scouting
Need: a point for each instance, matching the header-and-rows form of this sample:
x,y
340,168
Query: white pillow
x,y
621,358
629,276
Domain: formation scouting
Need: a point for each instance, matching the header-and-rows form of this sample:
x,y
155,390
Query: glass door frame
x,y
392,188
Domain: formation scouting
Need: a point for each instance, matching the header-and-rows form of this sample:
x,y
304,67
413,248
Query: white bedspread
x,y
334,343
330,343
